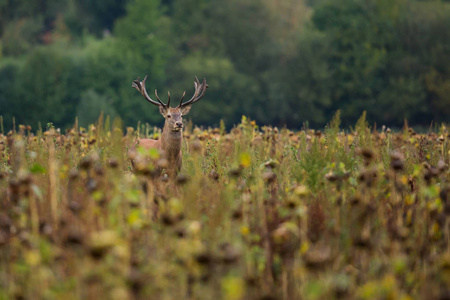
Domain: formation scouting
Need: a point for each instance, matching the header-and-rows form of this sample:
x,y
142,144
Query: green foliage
x,y
109,69
304,92
49,86
286,63
101,15
19,37
375,64
91,106
222,100
142,31
314,165
9,70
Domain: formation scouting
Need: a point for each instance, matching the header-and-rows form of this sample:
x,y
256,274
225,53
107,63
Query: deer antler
x,y
140,86
200,89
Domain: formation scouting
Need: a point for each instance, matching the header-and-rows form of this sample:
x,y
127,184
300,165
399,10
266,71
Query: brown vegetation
x,y
254,214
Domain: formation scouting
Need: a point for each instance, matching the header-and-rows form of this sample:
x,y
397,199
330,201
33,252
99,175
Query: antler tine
x,y
140,86
168,101
200,89
204,87
193,97
159,100
136,84
182,97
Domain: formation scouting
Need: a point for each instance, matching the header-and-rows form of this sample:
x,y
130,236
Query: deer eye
x,y
169,116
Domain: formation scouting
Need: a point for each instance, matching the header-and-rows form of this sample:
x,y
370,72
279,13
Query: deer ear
x,y
162,110
185,110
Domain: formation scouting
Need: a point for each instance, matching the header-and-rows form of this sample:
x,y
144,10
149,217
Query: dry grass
x,y
256,214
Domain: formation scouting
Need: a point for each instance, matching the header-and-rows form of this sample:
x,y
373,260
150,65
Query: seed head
x,y
86,163
196,146
113,163
214,175
397,161
181,179
367,154
269,176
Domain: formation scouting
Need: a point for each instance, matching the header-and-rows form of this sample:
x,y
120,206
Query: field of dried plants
x,y
256,213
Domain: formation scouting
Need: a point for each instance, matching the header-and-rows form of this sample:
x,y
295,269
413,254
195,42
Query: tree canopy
x,y
278,62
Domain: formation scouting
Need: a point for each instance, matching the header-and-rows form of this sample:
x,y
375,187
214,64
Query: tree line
x,y
284,63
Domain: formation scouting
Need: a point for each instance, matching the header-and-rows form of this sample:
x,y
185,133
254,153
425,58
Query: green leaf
x,y
38,169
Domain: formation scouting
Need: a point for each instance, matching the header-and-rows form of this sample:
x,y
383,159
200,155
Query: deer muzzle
x,y
178,126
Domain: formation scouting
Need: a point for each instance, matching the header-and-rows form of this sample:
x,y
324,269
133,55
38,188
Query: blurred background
x,y
279,62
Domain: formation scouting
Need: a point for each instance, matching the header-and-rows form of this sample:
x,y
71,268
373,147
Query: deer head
x,y
173,115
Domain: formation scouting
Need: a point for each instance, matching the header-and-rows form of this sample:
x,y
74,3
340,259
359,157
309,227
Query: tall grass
x,y
256,213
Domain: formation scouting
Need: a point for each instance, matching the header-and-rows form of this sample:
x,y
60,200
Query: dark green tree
x,y
142,46
10,106
383,56
48,87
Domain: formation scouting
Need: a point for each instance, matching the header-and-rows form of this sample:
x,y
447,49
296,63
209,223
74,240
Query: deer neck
x,y
171,142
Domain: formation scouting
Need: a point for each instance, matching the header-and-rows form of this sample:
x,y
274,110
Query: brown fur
x,y
171,139
172,136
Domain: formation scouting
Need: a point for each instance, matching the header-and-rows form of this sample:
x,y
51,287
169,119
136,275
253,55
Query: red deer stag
x,y
171,139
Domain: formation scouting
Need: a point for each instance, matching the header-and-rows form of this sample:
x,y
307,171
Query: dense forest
x,y
285,63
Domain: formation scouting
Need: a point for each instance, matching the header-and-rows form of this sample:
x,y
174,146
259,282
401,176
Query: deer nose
x,y
179,124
